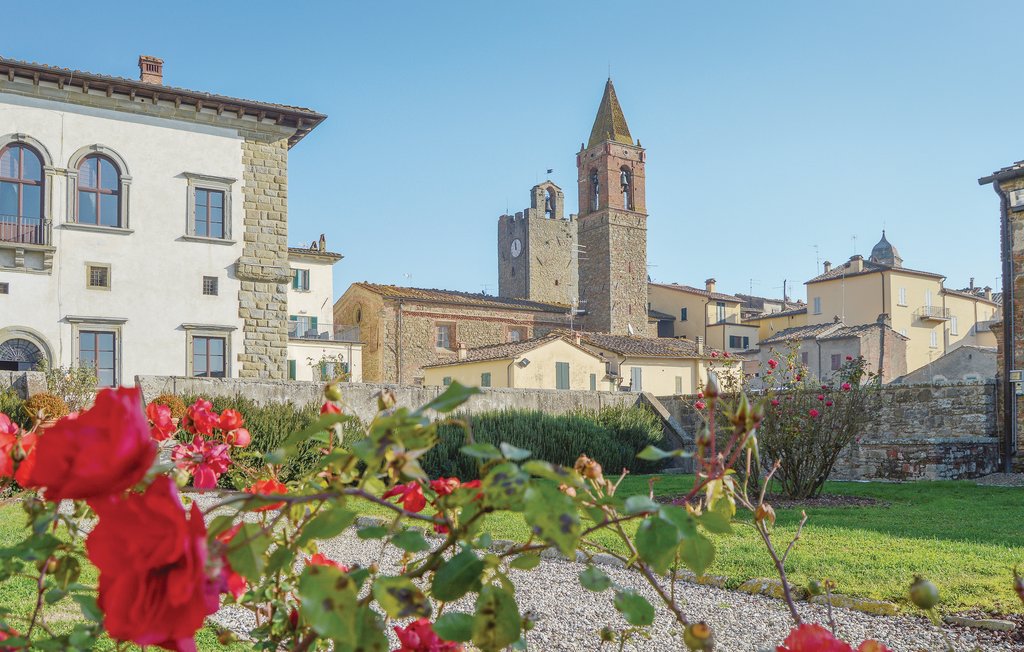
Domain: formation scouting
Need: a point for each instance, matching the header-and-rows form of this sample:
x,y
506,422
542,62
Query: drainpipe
x,y
1009,399
508,374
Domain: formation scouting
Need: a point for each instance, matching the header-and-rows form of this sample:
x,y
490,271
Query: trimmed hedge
x,y
612,436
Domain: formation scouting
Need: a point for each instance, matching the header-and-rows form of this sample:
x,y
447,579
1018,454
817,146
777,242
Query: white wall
x,y
302,351
319,300
156,276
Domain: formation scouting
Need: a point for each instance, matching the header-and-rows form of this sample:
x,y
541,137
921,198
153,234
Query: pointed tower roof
x,y
610,123
885,253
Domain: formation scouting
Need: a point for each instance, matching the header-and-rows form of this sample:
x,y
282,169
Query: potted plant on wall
x,y
45,408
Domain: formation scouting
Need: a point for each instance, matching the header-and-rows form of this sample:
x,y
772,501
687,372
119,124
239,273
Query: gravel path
x,y
568,616
1002,480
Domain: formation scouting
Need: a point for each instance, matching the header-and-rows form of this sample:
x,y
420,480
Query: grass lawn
x,y
965,538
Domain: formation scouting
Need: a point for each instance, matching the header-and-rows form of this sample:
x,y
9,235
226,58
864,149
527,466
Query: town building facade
x,y
143,227
694,313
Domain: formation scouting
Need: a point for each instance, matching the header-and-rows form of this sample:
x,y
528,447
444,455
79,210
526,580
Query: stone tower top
x,y
886,254
610,123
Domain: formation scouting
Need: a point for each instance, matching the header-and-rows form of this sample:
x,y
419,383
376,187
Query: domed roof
x,y
885,253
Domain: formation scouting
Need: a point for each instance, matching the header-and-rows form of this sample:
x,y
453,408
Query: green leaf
x,y
697,552
458,576
451,398
400,598
54,595
454,627
594,579
324,422
525,562
90,609
68,571
281,557
245,552
219,524
482,451
681,518
410,541
504,486
634,608
656,543
497,620
328,603
653,454
552,515
372,532
326,525
369,634
553,472
640,505
717,519
513,453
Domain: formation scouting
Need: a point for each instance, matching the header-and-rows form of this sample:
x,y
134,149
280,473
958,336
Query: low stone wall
x,y
934,432
361,398
24,383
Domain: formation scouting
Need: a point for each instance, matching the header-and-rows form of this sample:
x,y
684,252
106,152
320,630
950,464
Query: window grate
x,y
210,285
99,277
5,288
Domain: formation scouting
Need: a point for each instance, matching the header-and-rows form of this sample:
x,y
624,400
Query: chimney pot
x,y
462,351
988,293
828,266
700,345
709,285
856,263
972,282
151,70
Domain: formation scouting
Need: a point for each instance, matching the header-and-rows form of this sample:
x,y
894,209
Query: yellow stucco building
x,y
770,324
935,319
713,316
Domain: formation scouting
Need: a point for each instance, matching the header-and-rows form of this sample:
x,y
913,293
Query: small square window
x,y
5,288
98,277
210,285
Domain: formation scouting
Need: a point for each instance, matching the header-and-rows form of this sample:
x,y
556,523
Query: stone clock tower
x,y
612,224
537,250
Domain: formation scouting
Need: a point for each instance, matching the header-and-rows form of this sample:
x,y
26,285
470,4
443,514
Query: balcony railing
x,y
933,313
299,330
24,230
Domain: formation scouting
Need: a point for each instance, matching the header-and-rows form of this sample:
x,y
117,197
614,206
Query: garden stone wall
x,y
24,383
934,432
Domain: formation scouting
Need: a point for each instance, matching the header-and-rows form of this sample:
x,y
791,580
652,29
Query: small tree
x,y
76,385
330,368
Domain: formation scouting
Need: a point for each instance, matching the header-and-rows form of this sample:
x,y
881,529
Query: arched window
x,y
18,354
626,181
595,191
21,195
549,203
99,191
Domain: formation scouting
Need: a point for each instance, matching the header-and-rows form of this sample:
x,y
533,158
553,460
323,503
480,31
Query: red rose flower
x,y
419,636
725,355
846,387
824,387
230,420
798,377
9,440
153,587
267,487
700,405
821,397
714,354
828,403
161,425
6,634
239,437
440,528
319,560
100,452
814,413
200,419
329,408
444,486
7,427
775,402
230,581
700,394
849,358
204,459
772,362
411,496
812,638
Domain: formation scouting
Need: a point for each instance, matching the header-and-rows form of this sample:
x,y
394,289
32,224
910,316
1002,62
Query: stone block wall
x,y
918,432
263,267
24,383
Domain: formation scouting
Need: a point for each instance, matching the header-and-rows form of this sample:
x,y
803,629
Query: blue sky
x,y
772,129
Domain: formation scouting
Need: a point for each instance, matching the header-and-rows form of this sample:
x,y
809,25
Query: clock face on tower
x,y
517,247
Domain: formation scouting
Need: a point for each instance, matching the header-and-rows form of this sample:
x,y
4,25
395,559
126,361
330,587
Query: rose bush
x,y
165,564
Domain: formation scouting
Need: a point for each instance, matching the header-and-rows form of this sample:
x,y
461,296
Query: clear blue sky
x,y
770,127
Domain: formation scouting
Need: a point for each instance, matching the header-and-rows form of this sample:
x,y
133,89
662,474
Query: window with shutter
x,y
561,375
291,370
485,379
593,382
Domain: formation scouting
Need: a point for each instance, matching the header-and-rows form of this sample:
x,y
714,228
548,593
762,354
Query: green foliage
x,y
50,406
76,386
14,407
612,436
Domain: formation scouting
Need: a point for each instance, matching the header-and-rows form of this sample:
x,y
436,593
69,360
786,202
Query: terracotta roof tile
x,y
689,289
647,347
460,298
843,270
505,351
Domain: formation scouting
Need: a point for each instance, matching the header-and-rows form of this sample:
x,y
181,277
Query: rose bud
x,y
923,593
765,512
293,618
588,468
239,437
386,399
332,392
698,636
607,634
226,637
567,490
18,453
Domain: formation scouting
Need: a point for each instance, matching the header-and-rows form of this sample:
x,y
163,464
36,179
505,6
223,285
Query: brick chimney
x,y
700,345
988,293
857,263
828,267
151,70
462,351
709,285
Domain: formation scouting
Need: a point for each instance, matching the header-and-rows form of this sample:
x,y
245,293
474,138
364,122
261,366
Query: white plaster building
x,y
143,228
317,349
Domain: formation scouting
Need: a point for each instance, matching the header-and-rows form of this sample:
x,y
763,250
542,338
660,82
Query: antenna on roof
x,y
854,238
485,287
817,259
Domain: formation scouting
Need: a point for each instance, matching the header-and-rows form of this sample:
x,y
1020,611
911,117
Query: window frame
x,y
719,312
98,191
49,174
954,326
524,334
89,266
20,181
901,297
837,361
193,331
562,375
94,335
816,303
114,325
682,314
451,329
296,273
224,185
208,339
215,285
123,191
933,339
485,379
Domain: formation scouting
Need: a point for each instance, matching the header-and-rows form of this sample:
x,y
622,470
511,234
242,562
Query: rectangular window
x,y
593,382
837,362
516,334
447,380
485,379
903,297
210,286
954,328
682,314
928,298
209,213
304,326
5,288
208,357
300,281
98,277
735,341
443,339
328,371
720,311
561,375
803,358
291,370
817,305
98,350
636,379
933,340
746,342
679,384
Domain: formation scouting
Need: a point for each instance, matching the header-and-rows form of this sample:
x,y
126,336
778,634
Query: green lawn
x,y
963,537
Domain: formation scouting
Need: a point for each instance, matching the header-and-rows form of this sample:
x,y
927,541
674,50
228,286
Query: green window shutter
x,y
679,384
295,280
447,381
682,314
593,382
291,370
313,325
485,379
293,317
561,375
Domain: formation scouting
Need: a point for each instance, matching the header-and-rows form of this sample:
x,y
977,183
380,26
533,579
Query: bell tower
x,y
612,224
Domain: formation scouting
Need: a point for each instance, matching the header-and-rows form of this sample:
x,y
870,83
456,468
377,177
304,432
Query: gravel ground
x,y
1002,480
568,616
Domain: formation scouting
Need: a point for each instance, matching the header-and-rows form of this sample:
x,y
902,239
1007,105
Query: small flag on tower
x,y
550,170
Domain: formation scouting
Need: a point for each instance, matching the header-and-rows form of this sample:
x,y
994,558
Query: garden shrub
x,y
612,436
174,402
14,407
76,386
50,405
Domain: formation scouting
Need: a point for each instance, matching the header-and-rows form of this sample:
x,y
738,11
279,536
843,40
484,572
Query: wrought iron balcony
x,y
25,230
933,313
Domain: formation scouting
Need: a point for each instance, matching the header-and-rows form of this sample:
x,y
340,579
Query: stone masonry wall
x,y
263,268
932,432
